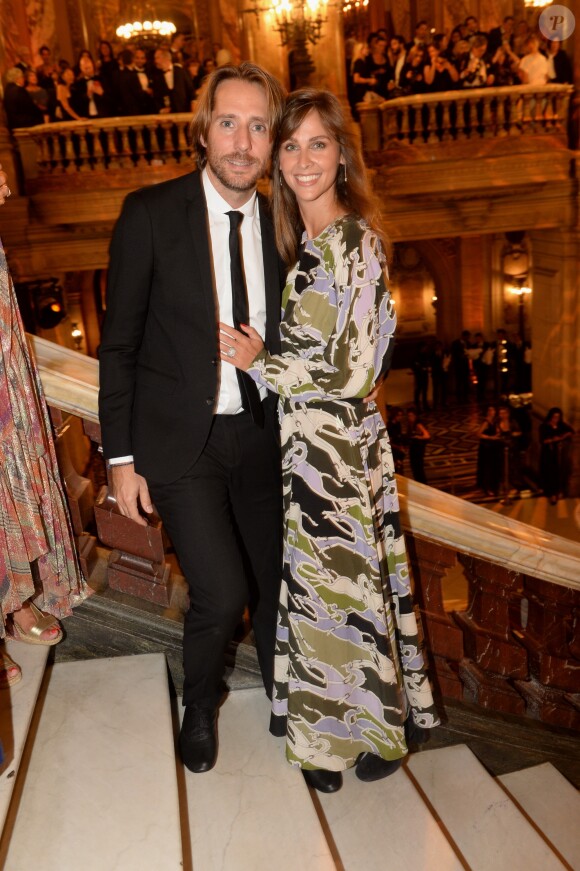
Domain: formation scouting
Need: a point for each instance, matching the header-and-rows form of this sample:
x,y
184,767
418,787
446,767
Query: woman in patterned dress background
x,y
349,673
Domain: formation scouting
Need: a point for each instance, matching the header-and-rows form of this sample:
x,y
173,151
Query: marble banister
x,y
470,113
516,646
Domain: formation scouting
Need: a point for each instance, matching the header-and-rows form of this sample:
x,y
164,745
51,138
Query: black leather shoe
x,y
370,767
198,742
322,780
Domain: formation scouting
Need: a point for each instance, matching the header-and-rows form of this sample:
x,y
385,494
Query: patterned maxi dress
x,y
348,665
37,551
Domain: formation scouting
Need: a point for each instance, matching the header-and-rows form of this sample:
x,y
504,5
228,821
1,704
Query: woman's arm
x,y
62,97
341,342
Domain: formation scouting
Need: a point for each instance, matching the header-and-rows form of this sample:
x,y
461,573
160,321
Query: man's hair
x,y
470,18
245,72
478,41
43,48
508,18
422,23
13,75
126,56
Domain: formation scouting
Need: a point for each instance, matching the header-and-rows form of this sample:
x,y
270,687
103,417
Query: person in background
x,y
534,66
501,36
554,436
39,95
395,418
172,85
421,367
47,71
107,68
87,94
510,434
20,108
440,362
439,74
417,436
489,454
559,64
41,577
64,111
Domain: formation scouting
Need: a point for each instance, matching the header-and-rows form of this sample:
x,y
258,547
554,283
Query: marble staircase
x,y
98,788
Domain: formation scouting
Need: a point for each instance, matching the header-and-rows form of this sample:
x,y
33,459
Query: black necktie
x,y
248,389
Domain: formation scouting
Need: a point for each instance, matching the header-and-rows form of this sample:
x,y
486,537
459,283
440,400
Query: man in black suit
x,y
176,427
135,90
501,35
172,85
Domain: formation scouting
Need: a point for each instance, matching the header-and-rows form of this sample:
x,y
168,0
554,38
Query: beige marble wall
x,y
556,328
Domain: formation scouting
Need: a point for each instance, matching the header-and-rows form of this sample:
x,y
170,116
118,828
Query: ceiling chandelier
x,y
144,25
297,20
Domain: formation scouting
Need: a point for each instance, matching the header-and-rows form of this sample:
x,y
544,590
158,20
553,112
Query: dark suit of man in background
x,y
135,88
172,85
175,425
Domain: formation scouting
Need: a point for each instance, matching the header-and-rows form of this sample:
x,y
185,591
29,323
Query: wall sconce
x,y
77,335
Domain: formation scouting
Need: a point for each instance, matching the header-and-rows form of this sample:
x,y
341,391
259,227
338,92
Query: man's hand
x,y
130,490
374,394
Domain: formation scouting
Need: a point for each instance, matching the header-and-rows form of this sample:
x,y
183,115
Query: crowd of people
x,y
135,81
387,66
471,366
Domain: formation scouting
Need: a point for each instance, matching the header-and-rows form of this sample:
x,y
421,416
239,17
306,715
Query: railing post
x,y
137,562
489,642
430,561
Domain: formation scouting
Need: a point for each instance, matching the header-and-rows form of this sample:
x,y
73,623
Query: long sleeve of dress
x,y
338,329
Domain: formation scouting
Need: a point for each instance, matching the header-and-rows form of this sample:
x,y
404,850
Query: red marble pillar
x,y
496,655
137,562
551,635
79,493
429,563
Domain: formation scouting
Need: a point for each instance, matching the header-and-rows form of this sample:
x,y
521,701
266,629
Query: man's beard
x,y
223,172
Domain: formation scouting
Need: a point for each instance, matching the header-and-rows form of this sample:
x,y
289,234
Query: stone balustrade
x,y
104,144
470,113
512,646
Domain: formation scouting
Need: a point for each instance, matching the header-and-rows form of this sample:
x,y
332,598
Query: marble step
x,y
487,828
16,710
553,805
101,786
253,811
386,826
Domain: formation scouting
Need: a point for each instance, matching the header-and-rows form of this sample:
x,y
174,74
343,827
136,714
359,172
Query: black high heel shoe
x,y
322,780
370,767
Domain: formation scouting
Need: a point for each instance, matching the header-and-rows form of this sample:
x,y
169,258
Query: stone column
x,y
555,330
328,56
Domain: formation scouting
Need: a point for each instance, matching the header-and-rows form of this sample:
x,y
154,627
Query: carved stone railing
x,y
98,144
513,646
469,113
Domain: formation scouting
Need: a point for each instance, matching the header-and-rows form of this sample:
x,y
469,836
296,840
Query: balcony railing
x,y
512,646
99,144
457,116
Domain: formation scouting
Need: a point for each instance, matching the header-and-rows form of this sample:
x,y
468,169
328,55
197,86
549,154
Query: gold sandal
x,y
34,635
6,664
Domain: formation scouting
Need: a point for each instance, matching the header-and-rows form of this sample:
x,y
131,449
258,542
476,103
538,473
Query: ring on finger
x,y
231,352
8,192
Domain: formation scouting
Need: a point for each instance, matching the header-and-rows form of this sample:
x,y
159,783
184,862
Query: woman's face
x,y
68,76
555,419
491,413
309,161
504,415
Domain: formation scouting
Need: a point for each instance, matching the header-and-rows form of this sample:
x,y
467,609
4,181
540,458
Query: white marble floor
x,y
101,787
16,709
486,827
252,812
552,803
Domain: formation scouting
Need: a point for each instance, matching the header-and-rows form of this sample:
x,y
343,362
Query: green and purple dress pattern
x,y
349,669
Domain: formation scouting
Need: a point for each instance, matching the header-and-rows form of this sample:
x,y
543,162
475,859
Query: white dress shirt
x,y
229,400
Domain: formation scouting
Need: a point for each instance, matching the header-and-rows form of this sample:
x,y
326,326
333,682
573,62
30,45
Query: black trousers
x,y
224,518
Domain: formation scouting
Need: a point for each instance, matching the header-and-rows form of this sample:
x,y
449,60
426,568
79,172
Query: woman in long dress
x,y
39,569
554,433
349,672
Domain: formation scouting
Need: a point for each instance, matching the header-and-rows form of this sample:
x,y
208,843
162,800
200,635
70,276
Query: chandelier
x,y
144,25
356,5
299,20
535,4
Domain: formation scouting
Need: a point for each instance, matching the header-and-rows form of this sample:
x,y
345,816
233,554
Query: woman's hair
x,y
245,72
552,412
352,188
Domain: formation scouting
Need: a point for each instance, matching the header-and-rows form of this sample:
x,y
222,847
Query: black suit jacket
x,y
133,99
180,96
159,353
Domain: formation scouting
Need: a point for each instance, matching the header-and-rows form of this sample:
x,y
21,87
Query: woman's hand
x,y
238,348
4,189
